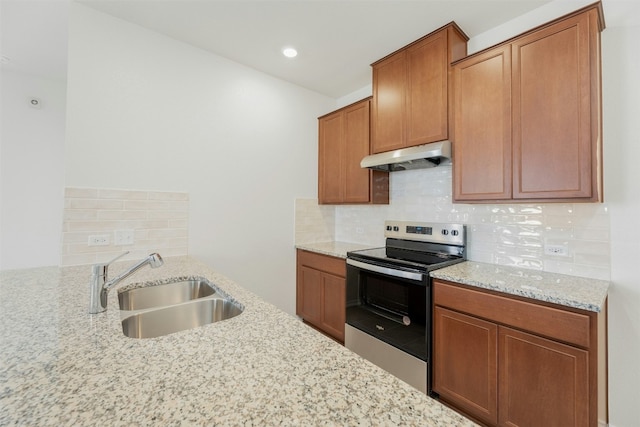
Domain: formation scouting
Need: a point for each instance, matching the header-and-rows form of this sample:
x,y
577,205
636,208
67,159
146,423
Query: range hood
x,y
419,157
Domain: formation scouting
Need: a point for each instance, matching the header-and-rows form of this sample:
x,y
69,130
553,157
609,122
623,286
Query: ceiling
x,y
336,40
33,37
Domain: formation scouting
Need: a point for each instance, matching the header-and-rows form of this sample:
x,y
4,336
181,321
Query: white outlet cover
x,y
98,240
124,237
556,250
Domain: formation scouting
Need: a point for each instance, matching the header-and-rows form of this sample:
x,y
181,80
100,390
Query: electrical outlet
x,y
124,237
557,250
99,240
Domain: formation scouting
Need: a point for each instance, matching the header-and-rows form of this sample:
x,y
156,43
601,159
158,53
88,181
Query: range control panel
x,y
452,234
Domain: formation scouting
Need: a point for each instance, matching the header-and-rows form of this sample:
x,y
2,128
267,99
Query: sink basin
x,y
163,295
167,320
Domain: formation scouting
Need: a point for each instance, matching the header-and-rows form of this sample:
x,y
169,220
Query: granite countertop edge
x,y
336,249
569,291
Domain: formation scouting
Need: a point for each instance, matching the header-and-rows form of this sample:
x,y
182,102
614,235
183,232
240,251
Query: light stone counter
x,y
336,249
569,291
60,365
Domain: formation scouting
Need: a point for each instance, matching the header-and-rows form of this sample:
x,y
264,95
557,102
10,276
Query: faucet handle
x,y
100,269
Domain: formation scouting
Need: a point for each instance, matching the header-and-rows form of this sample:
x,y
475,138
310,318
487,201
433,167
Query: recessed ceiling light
x,y
289,52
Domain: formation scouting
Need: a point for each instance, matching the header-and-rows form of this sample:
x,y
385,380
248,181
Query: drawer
x,y
555,323
328,264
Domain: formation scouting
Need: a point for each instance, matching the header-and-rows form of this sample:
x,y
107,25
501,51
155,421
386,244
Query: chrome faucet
x,y
99,285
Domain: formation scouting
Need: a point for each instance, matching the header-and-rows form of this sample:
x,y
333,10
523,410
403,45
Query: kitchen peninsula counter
x,y
60,365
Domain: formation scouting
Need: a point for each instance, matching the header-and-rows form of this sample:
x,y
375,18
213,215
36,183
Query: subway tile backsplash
x,y
313,223
158,221
506,234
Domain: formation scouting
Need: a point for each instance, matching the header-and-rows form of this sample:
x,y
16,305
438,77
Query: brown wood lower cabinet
x,y
320,292
466,362
508,361
542,382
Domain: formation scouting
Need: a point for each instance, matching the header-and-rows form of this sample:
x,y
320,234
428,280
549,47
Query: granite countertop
x,y
336,249
569,291
60,365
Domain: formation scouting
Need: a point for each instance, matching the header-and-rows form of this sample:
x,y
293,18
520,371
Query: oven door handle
x,y
386,270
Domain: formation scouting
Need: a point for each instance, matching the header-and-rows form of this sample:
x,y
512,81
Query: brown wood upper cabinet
x,y
527,116
411,91
342,143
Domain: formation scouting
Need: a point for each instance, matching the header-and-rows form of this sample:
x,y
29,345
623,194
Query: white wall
x,y
31,170
148,112
621,86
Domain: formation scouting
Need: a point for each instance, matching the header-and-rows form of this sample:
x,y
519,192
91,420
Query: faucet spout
x,y
154,260
99,284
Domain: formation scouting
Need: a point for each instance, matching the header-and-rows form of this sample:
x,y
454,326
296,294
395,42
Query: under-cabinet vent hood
x,y
419,157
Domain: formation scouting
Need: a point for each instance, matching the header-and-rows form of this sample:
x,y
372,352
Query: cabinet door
x,y
330,157
356,147
542,382
465,363
388,109
321,292
482,126
333,305
309,294
552,139
427,90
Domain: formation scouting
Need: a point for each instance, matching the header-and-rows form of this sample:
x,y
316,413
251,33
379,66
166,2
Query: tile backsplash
x,y
314,223
158,222
506,234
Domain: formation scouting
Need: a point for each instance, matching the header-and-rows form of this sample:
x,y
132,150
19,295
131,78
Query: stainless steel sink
x,y
167,320
162,295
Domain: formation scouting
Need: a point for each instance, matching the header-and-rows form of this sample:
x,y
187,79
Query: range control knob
x,y
454,232
445,232
388,228
396,228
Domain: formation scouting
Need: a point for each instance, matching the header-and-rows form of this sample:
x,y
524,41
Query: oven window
x,y
381,293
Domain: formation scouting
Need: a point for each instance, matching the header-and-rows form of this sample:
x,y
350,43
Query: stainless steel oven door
x,y
388,319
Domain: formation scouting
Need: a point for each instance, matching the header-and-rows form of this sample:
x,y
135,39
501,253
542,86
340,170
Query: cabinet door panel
x,y
357,185
542,382
309,294
482,126
427,100
389,86
334,301
330,155
342,144
465,363
551,112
